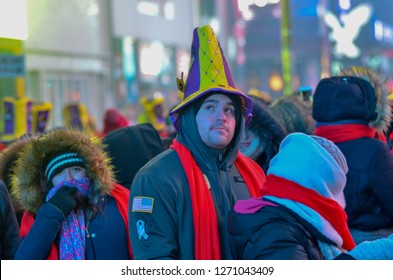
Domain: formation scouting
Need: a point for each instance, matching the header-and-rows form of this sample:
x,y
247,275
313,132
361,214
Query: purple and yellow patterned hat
x,y
208,72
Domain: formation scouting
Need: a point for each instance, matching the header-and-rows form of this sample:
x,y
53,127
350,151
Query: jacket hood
x,y
293,114
29,183
130,148
383,110
268,129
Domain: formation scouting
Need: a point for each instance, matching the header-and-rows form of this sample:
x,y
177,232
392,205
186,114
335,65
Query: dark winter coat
x,y
369,188
9,228
106,237
275,233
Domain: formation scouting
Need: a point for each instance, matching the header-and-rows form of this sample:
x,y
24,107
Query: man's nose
x,y
221,114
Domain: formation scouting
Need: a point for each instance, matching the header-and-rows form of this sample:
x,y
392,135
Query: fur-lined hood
x,y
8,157
29,182
294,114
268,129
383,110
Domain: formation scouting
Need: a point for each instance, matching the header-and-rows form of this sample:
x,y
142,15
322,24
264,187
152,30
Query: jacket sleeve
x,y
37,243
9,226
153,217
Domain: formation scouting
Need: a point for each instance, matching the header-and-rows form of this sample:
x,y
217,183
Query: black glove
x,y
64,199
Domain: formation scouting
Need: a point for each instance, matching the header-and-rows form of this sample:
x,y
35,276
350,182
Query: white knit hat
x,y
312,162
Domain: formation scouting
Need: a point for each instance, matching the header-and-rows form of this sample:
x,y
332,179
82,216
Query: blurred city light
x,y
13,19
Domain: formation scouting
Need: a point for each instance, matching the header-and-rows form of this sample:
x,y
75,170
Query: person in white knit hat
x,y
300,214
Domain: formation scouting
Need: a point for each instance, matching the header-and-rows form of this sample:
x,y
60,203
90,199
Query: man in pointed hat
x,y
180,200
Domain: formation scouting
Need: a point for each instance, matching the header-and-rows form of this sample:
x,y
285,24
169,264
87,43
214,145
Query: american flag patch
x,y
142,204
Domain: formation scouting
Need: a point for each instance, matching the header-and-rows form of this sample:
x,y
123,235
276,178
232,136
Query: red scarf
x,y
326,207
345,132
121,196
207,242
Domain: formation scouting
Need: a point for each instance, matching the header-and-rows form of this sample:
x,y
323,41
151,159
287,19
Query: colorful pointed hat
x,y
208,72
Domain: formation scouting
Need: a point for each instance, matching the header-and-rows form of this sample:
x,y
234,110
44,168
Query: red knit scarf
x,y
345,132
121,196
207,242
326,207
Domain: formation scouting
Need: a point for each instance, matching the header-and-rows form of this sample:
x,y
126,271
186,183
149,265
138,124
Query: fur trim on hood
x,y
383,110
294,114
8,157
29,183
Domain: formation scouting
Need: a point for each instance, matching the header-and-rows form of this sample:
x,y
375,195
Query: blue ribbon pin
x,y
140,226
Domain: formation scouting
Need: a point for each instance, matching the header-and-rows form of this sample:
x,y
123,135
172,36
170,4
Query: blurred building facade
x,y
109,53
317,27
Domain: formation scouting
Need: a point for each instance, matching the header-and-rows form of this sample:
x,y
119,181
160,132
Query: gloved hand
x,y
64,199
379,249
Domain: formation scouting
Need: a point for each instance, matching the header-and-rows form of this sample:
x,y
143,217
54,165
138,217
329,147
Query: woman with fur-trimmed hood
x,y
262,137
74,208
352,110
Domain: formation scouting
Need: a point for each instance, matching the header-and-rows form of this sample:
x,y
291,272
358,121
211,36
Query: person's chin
x,y
220,145
244,146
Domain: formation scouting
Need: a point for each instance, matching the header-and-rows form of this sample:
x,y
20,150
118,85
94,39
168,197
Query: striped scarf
x,y
73,229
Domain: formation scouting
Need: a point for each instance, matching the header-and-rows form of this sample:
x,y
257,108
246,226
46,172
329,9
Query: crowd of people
x,y
237,178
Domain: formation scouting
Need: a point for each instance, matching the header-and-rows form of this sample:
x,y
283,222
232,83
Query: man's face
x,y
216,121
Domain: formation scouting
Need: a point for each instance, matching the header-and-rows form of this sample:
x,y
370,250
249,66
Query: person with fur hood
x,y
74,209
263,135
352,110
